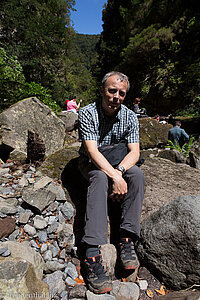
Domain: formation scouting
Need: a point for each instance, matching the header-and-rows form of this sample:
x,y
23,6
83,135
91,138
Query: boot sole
x,y
98,291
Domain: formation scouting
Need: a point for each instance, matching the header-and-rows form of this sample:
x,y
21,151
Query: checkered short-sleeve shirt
x,y
94,125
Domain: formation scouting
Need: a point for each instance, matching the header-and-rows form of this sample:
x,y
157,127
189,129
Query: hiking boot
x,y
98,281
127,253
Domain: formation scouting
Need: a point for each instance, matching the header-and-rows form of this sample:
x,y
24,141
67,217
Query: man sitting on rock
x,y
178,135
101,123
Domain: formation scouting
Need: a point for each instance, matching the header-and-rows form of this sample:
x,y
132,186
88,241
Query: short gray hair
x,y
119,75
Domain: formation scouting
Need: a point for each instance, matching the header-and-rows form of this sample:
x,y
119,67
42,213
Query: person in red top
x,y
71,105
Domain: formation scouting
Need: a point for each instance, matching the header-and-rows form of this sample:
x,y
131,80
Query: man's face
x,y
113,94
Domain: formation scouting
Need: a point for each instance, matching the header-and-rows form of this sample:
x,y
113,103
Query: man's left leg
x,y
130,221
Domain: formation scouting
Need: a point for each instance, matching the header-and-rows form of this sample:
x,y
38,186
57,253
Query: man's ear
x,y
101,90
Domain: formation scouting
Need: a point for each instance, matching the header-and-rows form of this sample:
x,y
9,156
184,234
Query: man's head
x,y
113,91
177,123
136,101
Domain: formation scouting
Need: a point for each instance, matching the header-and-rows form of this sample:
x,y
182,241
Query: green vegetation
x,y
36,39
156,43
185,149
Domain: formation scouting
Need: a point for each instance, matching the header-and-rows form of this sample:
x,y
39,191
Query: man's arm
x,y
119,186
132,157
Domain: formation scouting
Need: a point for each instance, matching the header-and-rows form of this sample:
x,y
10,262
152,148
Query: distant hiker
x,y
178,135
72,105
171,119
139,112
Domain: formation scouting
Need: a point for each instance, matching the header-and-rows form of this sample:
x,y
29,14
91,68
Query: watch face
x,y
120,168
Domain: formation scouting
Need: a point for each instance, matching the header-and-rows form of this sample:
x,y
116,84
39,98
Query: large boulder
x,y
18,279
30,114
25,252
153,133
169,244
165,181
70,119
54,165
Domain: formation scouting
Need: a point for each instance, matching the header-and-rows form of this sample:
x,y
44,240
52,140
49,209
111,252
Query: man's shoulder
x,y
127,110
89,108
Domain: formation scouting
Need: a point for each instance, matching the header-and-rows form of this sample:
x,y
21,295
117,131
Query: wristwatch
x,y
121,169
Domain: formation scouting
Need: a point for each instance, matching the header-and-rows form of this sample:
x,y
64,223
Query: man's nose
x,y
116,94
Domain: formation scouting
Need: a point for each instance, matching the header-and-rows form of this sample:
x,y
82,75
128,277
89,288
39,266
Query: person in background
x,y
139,112
178,135
171,119
72,105
100,123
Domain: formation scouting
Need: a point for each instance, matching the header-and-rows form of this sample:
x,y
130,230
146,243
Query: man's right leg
x,y
96,228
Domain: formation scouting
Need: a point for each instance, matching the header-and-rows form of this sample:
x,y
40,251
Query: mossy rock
x,y
152,133
54,164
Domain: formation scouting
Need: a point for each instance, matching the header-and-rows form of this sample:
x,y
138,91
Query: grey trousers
x,y
97,208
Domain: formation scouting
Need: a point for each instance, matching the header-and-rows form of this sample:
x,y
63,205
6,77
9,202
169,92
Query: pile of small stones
x,y
62,267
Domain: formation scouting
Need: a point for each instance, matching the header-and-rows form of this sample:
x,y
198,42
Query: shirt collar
x,y
114,118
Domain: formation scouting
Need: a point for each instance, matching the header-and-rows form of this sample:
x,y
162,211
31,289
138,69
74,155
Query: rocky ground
x,y
41,226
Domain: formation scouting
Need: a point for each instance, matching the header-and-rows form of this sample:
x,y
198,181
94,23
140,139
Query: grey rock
x,y
71,270
39,199
3,250
55,282
53,227
62,254
47,255
18,277
67,210
125,290
54,248
43,248
173,155
65,236
57,190
6,253
44,181
78,291
29,229
109,256
24,216
69,118
14,235
7,209
92,296
52,266
70,281
33,115
39,222
25,252
23,181
18,155
4,171
170,240
42,236
194,155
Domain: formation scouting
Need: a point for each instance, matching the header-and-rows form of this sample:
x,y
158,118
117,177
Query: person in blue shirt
x,y
178,135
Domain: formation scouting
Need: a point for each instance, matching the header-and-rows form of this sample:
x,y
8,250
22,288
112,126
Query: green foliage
x,y
43,94
14,88
192,110
185,149
11,79
39,33
156,43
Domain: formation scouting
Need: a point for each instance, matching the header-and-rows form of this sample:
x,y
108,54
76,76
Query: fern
x,y
185,149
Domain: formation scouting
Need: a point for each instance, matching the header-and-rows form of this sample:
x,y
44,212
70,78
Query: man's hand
x,y
118,188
